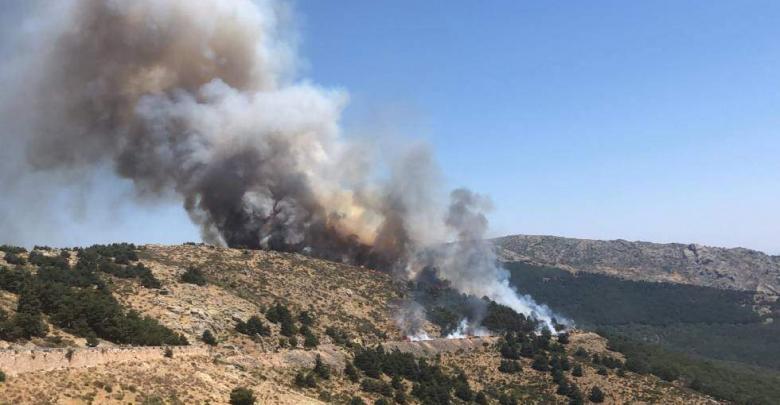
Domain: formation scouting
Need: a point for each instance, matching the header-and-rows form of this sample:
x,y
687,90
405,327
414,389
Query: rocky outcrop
x,y
736,268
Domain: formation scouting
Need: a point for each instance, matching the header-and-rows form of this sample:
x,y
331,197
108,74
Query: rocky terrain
x,y
736,268
359,302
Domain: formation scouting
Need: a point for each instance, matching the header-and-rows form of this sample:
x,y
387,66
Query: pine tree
x,y
577,371
596,395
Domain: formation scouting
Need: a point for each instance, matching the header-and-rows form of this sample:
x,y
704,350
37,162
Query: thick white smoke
x,y
198,101
470,264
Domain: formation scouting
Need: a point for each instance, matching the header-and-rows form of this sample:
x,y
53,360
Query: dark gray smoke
x,y
199,101
198,98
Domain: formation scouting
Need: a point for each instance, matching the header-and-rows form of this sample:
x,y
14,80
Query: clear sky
x,y
651,121
655,120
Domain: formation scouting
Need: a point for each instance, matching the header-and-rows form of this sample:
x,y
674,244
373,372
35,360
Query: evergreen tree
x,y
351,372
322,370
596,395
541,363
577,371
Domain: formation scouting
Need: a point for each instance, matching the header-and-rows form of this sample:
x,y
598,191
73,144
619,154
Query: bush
x,y
376,386
462,387
253,326
305,380
481,399
12,249
577,371
338,336
306,319
92,341
563,388
505,399
2,376
509,366
541,363
138,271
310,340
208,338
400,398
321,369
194,276
596,395
357,401
14,259
351,372
242,396
168,352
575,395
278,313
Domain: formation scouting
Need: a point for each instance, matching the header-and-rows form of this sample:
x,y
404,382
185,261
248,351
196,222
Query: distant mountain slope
x,y
736,268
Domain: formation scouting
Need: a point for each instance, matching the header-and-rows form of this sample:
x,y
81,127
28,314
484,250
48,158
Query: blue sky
x,y
608,119
654,120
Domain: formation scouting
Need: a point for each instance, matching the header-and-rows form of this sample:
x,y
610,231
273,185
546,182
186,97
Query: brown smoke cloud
x,y
199,97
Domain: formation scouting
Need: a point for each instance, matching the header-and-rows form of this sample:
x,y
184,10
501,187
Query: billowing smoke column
x,y
470,264
198,101
197,97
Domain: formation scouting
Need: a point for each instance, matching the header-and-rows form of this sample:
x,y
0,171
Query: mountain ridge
x,y
730,268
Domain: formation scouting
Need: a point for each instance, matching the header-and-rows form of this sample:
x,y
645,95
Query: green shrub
x,y
306,319
208,338
376,386
351,372
253,326
14,259
577,371
310,340
596,395
541,363
509,366
321,369
242,396
194,276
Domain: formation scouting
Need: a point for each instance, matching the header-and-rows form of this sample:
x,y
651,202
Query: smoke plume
x,y
199,101
470,264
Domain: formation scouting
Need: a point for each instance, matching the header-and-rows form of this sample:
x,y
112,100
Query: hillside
x,y
737,268
272,315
